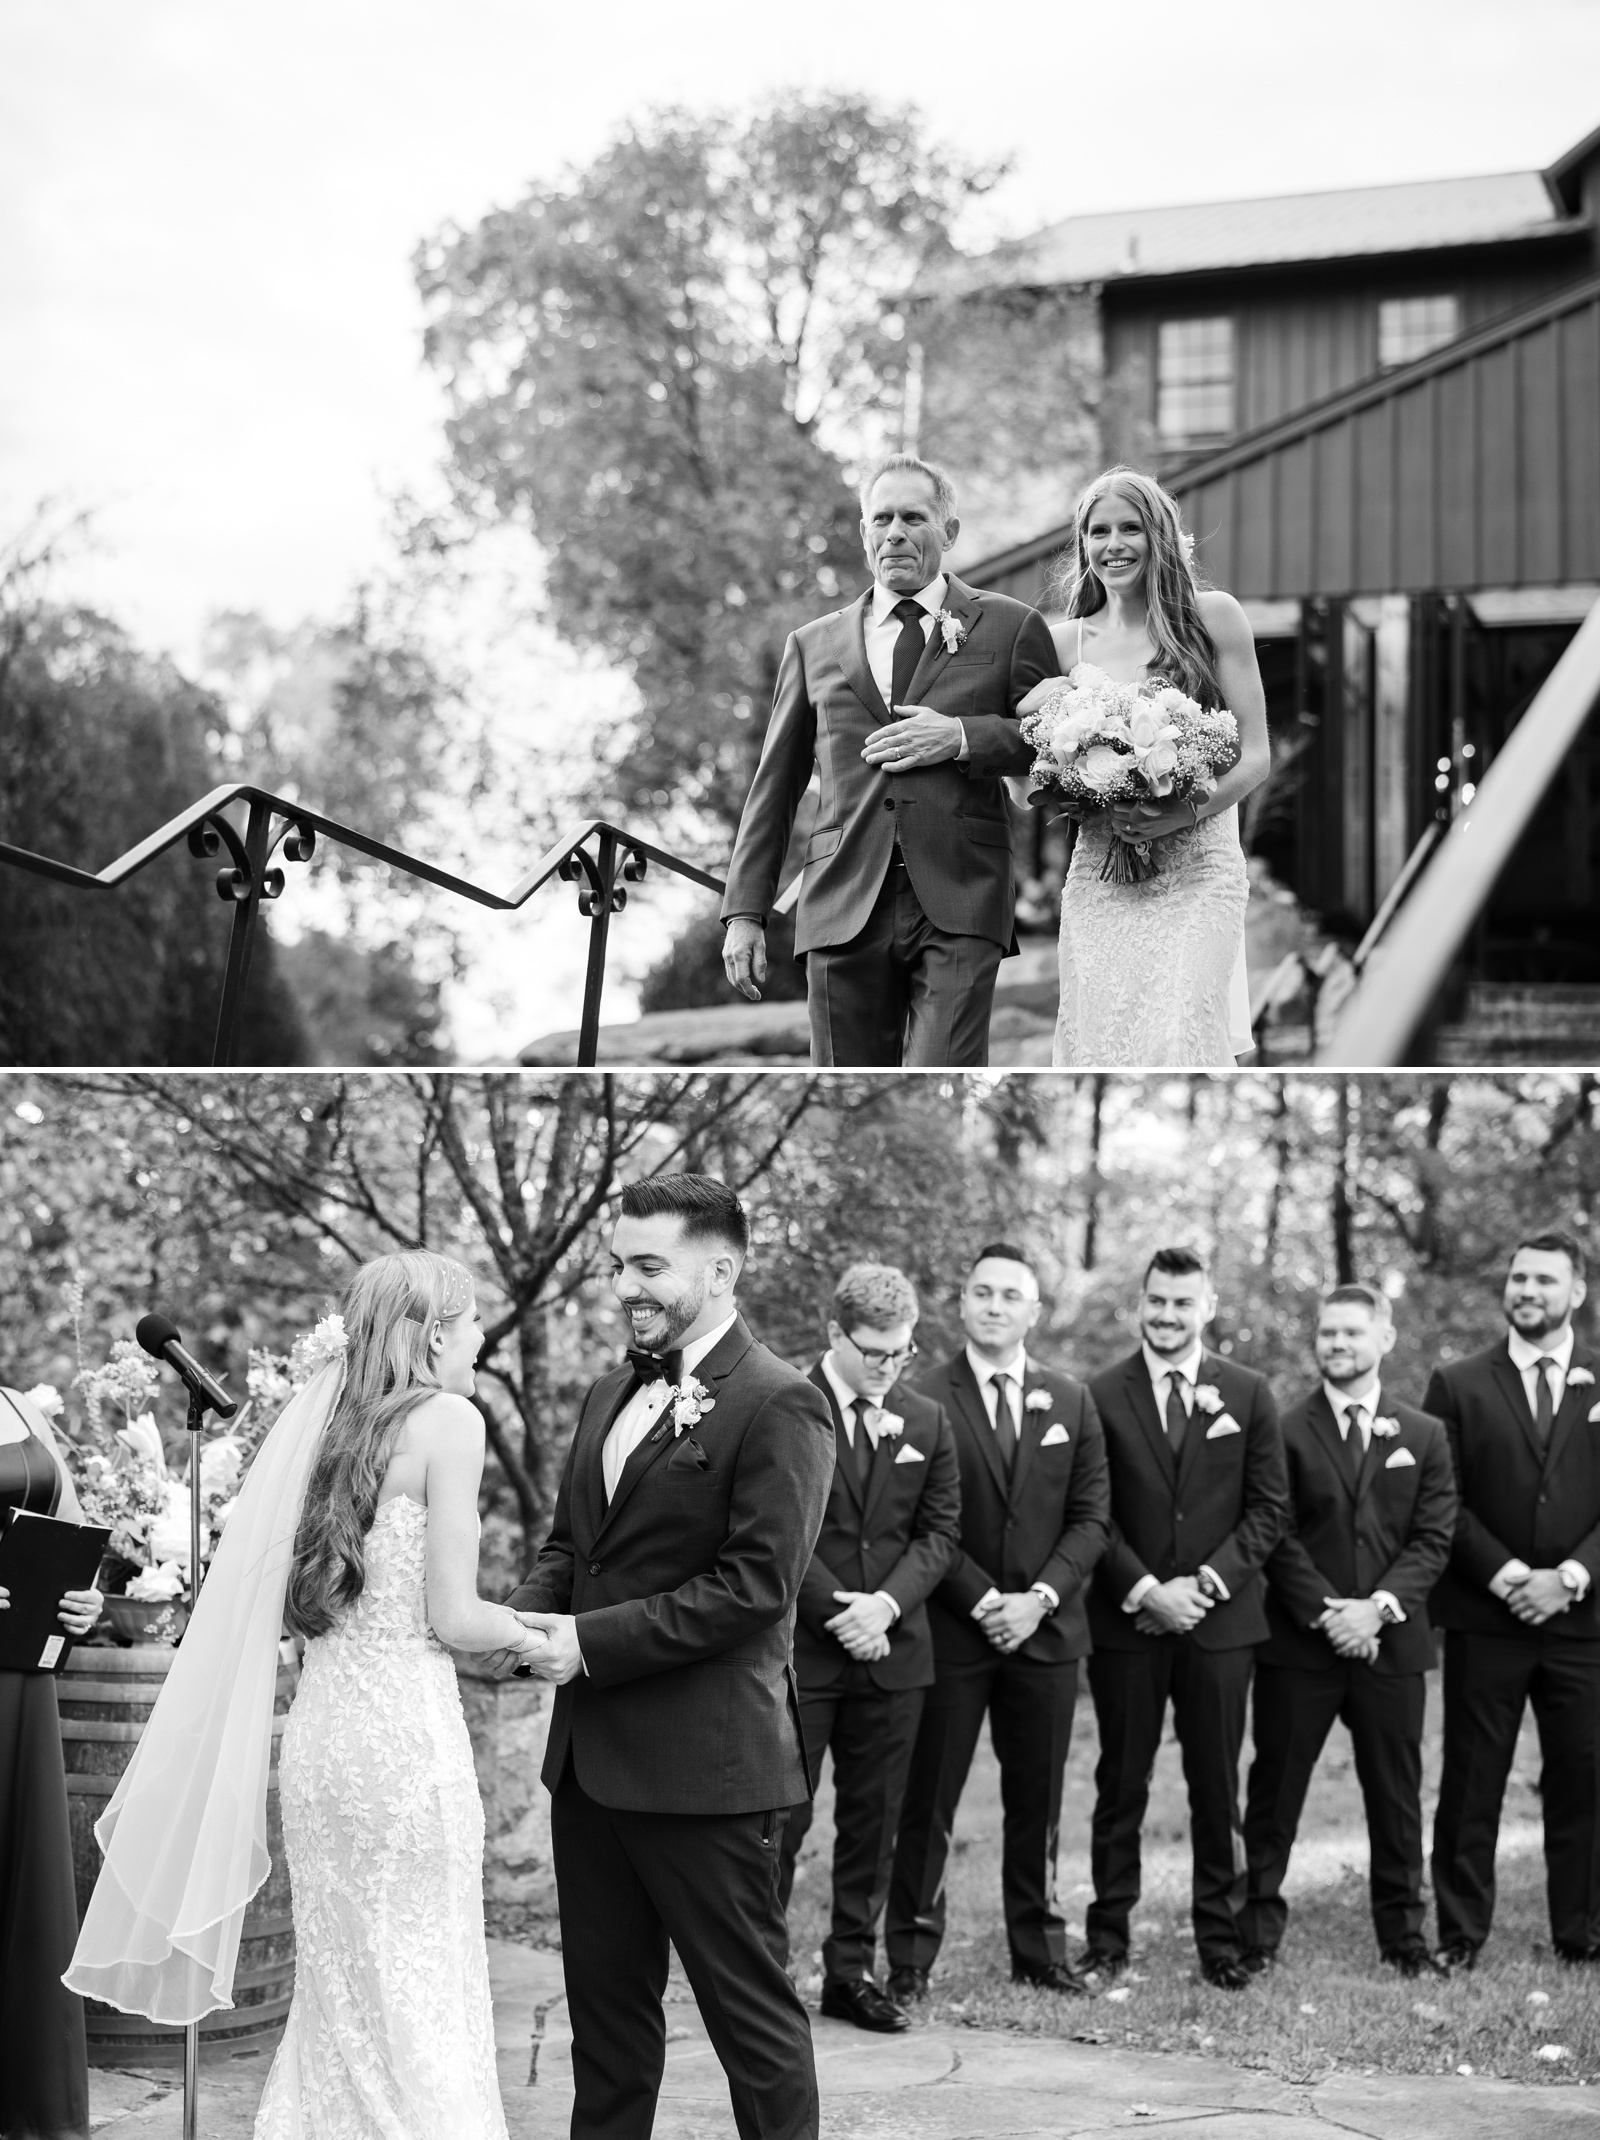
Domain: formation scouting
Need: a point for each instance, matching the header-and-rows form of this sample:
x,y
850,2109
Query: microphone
x,y
160,1337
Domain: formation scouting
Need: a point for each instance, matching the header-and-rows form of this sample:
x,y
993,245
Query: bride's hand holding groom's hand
x,y
550,1647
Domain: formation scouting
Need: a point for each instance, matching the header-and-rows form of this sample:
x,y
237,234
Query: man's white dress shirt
x,y
639,1415
1526,1359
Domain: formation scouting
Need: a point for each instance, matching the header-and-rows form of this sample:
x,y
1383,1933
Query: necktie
x,y
1005,1421
1544,1415
907,650
1177,1416
860,1445
1355,1417
656,1366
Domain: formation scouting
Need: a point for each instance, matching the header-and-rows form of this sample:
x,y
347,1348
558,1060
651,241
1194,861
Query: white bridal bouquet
x,y
1097,742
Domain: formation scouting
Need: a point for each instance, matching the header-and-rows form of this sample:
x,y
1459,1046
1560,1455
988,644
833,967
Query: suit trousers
x,y
870,1731
903,992
1209,1692
626,1884
1029,1707
1487,1680
1292,1712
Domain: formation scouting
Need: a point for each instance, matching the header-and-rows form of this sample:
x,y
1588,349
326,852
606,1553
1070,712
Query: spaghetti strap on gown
x,y
391,2033
1152,973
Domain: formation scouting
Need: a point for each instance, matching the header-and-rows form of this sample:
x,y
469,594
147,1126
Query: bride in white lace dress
x,y
1151,970
363,1504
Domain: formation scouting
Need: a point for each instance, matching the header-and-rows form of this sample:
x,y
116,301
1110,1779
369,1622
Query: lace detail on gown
x,y
391,2033
1145,968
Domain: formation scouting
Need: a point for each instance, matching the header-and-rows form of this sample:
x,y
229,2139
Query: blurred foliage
x,y
657,362
238,1205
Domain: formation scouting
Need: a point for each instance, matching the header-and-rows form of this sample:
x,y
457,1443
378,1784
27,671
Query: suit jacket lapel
x,y
1142,1398
590,1459
851,638
1326,1428
1030,1432
1372,1461
844,1469
959,601
969,1402
1572,1407
1517,1397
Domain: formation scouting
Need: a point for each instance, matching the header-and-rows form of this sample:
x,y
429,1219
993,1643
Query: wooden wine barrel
x,y
105,1697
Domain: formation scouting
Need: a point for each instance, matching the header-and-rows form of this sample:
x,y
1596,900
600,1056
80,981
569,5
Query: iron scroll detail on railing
x,y
275,823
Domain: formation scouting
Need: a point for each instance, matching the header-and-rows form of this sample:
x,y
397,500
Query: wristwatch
x,y
1571,1581
1046,1597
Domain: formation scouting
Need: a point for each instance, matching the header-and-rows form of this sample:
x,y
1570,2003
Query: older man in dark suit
x,y
684,1522
905,706
862,1650
1198,1500
1372,1506
1518,1603
1009,1625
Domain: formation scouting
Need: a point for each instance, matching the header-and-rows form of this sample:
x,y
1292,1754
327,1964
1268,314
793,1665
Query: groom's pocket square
x,y
908,1455
1594,1413
690,1457
1054,1436
1227,1424
1399,1460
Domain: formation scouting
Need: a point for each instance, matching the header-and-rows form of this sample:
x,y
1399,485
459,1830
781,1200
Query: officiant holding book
x,y
44,2070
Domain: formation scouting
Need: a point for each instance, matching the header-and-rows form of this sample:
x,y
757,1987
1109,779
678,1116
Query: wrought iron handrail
x,y
250,877
1376,1027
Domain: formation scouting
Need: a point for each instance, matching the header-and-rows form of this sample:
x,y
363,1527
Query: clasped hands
x,y
78,1611
1353,1626
863,1627
1537,1596
1009,1617
549,1648
1173,1607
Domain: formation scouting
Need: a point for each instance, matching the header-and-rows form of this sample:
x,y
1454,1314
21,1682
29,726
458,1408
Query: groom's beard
x,y
667,1325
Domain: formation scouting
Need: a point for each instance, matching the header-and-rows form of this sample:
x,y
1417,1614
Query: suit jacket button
x,y
888,802
594,1567
1543,1498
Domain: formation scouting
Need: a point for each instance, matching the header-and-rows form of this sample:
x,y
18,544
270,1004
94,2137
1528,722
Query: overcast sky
x,y
207,210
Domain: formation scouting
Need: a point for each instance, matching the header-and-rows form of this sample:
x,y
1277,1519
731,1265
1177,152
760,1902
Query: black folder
x,y
41,1559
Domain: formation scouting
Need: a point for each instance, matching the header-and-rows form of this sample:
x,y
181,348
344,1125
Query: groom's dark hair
x,y
1176,1263
1555,1242
708,1208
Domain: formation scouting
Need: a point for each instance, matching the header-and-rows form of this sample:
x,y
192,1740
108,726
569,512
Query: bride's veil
x,y
185,1834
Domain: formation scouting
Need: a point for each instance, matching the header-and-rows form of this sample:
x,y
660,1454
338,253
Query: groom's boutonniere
x,y
878,1422
1037,1401
1208,1398
1385,1430
691,1400
952,629
1579,1378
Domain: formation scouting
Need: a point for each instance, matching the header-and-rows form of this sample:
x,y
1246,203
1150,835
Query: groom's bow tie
x,y
656,1366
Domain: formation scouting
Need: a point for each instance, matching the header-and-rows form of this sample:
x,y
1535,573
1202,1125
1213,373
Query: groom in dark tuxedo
x,y
905,706
1518,1603
685,1520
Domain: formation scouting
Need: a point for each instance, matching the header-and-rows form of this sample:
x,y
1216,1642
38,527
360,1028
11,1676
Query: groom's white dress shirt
x,y
1527,1359
883,634
984,1372
639,1415
1161,1372
1369,1407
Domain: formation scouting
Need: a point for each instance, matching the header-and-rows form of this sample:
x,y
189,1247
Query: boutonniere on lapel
x,y
881,1423
952,629
1037,1401
1208,1401
691,1401
1385,1430
1579,1378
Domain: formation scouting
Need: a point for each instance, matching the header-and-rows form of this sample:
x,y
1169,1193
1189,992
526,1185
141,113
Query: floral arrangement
x,y
1097,742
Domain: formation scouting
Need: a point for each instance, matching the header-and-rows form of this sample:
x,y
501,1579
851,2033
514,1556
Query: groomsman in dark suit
x,y
1009,1625
1199,1499
862,1650
1372,1507
1518,1605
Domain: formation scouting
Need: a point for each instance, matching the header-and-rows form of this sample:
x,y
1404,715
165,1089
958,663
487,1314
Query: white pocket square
x,y
1594,1413
1227,1424
1053,1436
908,1455
1398,1460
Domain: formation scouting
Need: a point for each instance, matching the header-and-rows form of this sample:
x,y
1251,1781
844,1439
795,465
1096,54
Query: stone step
x,y
1524,1024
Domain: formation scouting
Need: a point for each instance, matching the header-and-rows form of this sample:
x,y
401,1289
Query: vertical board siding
x,y
1580,425
1335,508
1414,486
1256,541
1458,512
1539,494
1296,509
1499,465
1373,564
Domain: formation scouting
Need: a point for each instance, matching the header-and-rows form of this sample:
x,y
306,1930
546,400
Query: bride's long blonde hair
x,y
1186,654
391,1308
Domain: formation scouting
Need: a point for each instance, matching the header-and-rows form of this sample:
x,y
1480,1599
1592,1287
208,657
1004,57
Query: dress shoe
x,y
1576,1955
1256,1961
863,2003
1228,1974
1102,1962
1414,1961
1457,1956
1049,1976
905,1984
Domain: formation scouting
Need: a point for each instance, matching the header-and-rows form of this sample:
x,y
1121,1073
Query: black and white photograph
x,y
799,1071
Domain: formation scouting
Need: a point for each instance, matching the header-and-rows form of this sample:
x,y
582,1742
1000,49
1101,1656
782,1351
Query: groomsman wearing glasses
x,y
862,1650
1198,1500
1518,1603
1372,1508
1008,1623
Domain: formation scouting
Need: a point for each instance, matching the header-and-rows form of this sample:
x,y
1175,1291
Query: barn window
x,y
1194,380
1409,327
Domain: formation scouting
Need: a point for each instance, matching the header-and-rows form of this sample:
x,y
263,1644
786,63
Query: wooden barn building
x,y
1380,412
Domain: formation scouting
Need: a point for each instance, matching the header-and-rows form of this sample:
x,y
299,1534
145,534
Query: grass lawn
x,y
1329,2002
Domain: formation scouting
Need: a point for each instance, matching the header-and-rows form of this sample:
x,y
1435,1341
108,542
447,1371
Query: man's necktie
x,y
860,1445
1355,1418
1177,1417
656,1366
1544,1412
908,649
1005,1421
